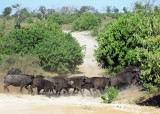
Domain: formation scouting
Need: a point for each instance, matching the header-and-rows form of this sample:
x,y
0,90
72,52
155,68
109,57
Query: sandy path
x,y
90,66
16,103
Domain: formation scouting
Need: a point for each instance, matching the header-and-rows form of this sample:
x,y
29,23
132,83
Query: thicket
x,y
87,21
132,39
56,18
110,96
57,51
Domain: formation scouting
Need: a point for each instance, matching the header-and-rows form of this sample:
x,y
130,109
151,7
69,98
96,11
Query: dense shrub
x,y
30,20
60,53
111,94
152,89
69,18
94,31
87,21
57,51
56,18
24,40
131,40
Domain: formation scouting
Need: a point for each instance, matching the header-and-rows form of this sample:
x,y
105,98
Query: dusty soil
x,y
17,103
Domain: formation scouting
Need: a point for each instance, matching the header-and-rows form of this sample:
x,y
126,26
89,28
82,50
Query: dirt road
x,y
90,66
17,103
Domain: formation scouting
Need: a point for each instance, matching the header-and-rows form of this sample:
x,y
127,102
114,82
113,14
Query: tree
x,y
55,18
133,39
50,11
125,9
43,11
108,9
115,10
146,5
84,9
7,11
87,21
57,51
67,10
21,14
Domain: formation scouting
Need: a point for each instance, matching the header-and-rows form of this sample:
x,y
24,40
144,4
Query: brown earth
x,y
15,102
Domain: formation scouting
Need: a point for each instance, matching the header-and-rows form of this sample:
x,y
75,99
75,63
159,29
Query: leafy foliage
x,y
87,21
152,89
60,53
111,94
57,51
7,11
56,18
132,39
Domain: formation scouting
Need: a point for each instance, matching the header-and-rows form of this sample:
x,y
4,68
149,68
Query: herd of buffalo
x,y
56,84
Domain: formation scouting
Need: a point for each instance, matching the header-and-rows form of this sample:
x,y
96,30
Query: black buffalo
x,y
88,86
41,83
99,83
18,80
14,71
126,77
77,83
61,83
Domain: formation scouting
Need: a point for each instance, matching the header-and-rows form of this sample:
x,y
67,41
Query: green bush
x,y
87,21
152,89
57,51
60,53
69,18
30,20
111,94
94,31
1,33
56,18
132,39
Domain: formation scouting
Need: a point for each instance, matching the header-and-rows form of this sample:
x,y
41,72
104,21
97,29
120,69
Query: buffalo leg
x,y
90,91
74,91
21,88
31,89
6,87
81,92
38,90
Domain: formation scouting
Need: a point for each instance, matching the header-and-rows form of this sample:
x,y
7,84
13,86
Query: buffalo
x,y
61,83
77,83
126,77
18,80
98,83
41,83
14,71
88,86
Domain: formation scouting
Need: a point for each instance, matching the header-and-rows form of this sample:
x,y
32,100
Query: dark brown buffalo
x,y
18,80
77,83
14,71
126,77
88,86
99,83
41,83
61,83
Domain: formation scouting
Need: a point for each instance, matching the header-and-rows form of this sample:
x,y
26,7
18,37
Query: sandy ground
x,y
17,103
90,66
